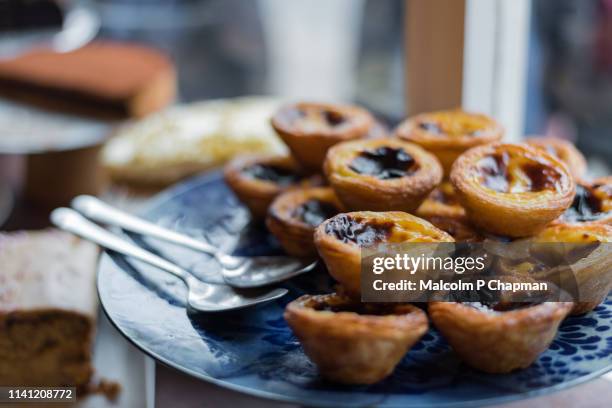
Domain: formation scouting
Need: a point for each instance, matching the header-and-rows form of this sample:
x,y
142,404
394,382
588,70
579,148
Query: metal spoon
x,y
204,297
238,271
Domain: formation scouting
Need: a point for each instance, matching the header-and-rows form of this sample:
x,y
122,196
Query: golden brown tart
x,y
592,271
257,180
498,338
353,342
294,215
563,150
592,203
448,134
512,190
310,129
340,240
381,174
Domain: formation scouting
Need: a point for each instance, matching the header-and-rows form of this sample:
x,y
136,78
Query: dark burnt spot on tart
x,y
314,212
431,127
542,177
493,169
275,174
333,118
358,231
496,176
585,207
384,163
308,117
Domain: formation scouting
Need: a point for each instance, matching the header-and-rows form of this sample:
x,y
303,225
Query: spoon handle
x,y
97,210
71,221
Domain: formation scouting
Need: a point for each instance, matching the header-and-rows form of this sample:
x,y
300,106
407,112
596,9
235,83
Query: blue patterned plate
x,y
254,351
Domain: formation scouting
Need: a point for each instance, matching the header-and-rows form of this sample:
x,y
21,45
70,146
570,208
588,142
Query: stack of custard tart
x,y
439,177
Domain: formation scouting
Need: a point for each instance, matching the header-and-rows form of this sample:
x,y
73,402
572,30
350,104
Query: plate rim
x,y
195,181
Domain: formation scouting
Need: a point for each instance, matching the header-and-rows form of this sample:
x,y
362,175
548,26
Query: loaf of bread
x,y
104,78
48,307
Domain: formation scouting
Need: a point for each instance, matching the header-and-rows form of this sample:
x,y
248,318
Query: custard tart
x,y
592,203
563,150
294,215
512,190
353,342
499,337
448,134
310,129
340,240
257,180
381,174
592,271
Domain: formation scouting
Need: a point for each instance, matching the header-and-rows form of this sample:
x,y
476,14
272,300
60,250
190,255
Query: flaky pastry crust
x,y
448,134
512,190
310,129
340,239
256,191
293,214
498,342
391,189
354,343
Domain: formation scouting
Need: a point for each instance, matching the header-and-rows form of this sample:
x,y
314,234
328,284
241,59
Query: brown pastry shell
x,y
343,258
367,192
447,134
258,194
350,347
563,150
498,342
514,213
310,129
443,210
296,236
593,273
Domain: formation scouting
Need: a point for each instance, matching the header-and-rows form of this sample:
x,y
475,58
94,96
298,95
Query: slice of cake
x,y
104,78
48,307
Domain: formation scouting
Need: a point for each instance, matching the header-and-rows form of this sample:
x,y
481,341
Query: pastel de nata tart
x,y
593,271
499,337
592,203
448,134
563,150
353,342
381,174
339,240
310,129
294,215
258,179
512,190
